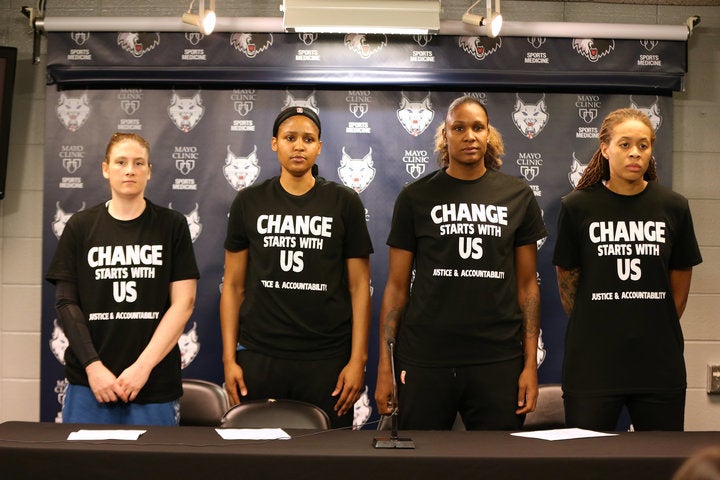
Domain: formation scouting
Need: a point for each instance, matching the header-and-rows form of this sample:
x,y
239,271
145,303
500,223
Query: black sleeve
x,y
73,322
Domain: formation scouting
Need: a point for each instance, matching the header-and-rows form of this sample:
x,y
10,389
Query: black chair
x,y
272,413
550,410
203,403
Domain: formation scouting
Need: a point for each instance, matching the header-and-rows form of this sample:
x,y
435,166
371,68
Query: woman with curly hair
x,y
467,330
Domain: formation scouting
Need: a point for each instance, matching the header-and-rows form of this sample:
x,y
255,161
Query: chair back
x,y
550,410
203,403
276,413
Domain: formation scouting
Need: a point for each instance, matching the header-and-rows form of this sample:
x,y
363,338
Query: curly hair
x,y
118,137
495,147
598,169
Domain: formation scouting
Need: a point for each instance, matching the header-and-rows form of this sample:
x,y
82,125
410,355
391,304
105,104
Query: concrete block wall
x,y
696,163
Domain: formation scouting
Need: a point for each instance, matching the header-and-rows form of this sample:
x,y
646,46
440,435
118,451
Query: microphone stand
x,y
393,441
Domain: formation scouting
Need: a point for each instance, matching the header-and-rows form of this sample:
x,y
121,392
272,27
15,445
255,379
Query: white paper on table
x,y
106,434
252,433
563,434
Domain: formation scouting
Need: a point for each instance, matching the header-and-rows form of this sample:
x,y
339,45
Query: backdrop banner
x,y
208,143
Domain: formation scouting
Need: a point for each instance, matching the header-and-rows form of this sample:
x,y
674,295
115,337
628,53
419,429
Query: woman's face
x,y
127,168
297,145
466,134
628,151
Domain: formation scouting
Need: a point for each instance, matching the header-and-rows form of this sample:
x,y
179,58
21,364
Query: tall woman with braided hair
x,y
624,255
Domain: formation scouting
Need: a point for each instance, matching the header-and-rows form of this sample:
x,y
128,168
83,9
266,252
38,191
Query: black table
x,y
40,450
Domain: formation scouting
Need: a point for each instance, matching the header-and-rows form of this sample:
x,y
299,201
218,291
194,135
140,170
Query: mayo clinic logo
x,y
243,101
416,162
79,37
529,164
185,158
358,102
588,106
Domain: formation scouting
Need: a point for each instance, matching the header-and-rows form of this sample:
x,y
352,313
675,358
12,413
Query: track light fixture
x,y
204,19
492,21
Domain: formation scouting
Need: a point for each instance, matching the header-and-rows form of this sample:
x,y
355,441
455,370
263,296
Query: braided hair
x,y
494,150
598,168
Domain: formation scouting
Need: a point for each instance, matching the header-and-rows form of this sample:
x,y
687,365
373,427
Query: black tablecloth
x,y
41,450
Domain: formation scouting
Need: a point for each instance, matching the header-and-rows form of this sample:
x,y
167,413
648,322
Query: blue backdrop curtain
x,y
206,105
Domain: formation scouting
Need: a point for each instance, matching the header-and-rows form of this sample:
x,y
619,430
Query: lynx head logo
x,y
541,242
193,221
138,44
576,171
593,49
652,112
415,117
362,410
61,218
529,118
58,342
80,37
251,44
536,42
541,352
194,37
73,112
186,112
189,346
480,47
309,102
356,173
365,45
241,172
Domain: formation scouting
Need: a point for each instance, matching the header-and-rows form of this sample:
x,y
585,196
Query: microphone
x,y
393,441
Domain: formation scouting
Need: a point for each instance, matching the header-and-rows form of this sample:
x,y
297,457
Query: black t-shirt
x,y
463,306
624,334
123,270
297,303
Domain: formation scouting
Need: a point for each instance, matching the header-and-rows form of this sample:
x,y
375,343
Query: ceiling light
x,y
361,16
492,21
205,20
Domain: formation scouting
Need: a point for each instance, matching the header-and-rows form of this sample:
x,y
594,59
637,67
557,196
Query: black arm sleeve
x,y
73,322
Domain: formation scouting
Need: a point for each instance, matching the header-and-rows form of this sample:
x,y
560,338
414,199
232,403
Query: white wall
x,y
696,172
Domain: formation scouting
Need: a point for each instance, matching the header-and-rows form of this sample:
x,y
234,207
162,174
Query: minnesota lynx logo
x,y
61,218
415,117
251,44
480,47
530,118
541,352
593,49
186,112
241,172
309,102
189,346
356,173
138,44
576,171
362,410
193,221
58,342
652,112
73,112
365,45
